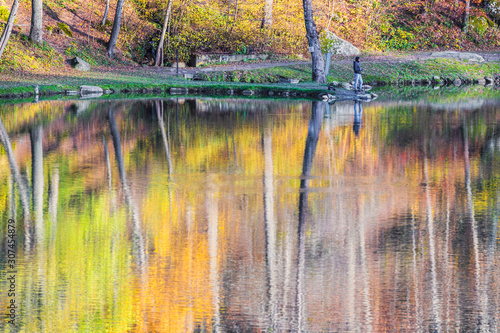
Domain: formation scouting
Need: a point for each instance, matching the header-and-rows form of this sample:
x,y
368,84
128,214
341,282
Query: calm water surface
x,y
213,215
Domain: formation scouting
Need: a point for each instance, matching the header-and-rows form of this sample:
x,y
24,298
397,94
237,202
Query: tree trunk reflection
x,y
436,304
311,142
166,142
479,293
139,241
14,168
212,209
270,227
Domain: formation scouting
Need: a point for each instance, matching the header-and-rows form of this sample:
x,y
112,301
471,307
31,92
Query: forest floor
x,y
162,72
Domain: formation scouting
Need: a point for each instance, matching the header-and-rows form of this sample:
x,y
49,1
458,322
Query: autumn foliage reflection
x,y
183,215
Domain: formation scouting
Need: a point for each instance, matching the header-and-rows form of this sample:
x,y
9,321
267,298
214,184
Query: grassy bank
x,y
374,72
146,84
219,81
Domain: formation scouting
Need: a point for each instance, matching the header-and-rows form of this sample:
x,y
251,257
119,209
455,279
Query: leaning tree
x,y
116,28
8,27
159,51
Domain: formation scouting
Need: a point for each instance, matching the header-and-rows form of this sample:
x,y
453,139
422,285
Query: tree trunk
x,y
116,28
267,21
8,27
466,16
318,64
159,51
105,16
36,21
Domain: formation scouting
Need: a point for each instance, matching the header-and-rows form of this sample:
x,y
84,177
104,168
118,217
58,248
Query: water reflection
x,y
137,232
309,152
358,116
176,215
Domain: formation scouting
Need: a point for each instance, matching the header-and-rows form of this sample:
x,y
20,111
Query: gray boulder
x,y
464,56
90,91
330,43
79,64
346,85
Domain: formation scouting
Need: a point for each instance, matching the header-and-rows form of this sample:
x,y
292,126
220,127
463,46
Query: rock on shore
x,y
458,56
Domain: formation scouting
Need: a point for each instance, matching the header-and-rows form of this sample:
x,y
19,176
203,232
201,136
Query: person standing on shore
x,y
358,80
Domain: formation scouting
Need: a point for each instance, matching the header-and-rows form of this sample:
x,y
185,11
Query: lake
x,y
251,215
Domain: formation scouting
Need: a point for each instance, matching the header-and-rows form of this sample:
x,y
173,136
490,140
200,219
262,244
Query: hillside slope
x,y
236,27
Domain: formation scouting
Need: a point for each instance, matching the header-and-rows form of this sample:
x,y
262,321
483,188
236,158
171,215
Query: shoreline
x,y
253,79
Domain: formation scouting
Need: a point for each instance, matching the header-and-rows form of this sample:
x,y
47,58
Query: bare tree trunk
x,y
116,28
318,64
159,51
466,16
36,21
105,16
8,27
267,21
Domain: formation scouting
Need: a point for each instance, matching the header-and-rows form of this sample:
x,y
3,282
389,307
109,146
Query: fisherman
x,y
358,80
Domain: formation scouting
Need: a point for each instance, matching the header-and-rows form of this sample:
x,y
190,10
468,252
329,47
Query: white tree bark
x,y
159,51
267,22
36,21
8,27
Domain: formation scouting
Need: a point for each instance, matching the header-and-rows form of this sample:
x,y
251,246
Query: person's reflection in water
x,y
358,115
